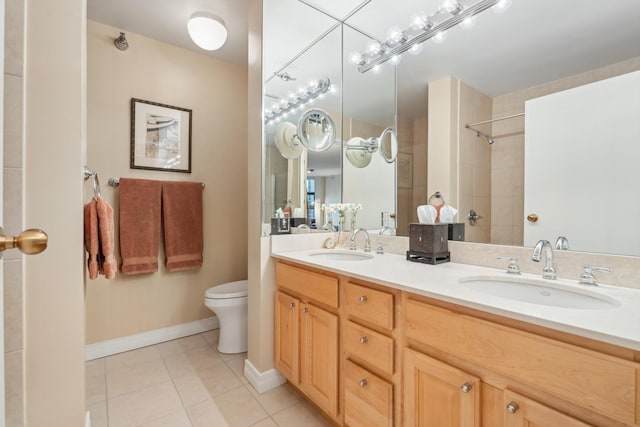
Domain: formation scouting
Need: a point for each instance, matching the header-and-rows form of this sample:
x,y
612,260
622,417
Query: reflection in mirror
x,y
316,130
388,145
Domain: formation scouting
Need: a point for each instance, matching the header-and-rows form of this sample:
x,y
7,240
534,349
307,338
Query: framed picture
x,y
160,137
405,170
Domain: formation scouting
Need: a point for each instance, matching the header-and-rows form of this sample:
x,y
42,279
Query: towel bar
x,y
114,182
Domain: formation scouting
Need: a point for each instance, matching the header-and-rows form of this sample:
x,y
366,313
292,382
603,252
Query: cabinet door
x,y
287,336
319,357
524,412
437,394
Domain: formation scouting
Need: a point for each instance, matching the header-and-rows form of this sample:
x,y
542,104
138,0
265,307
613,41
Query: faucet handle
x,y
587,277
380,248
513,264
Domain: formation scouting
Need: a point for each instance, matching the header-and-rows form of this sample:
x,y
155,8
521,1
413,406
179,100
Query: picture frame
x,y
160,137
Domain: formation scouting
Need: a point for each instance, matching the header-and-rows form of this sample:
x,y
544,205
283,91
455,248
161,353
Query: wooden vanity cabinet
x,y
524,412
306,335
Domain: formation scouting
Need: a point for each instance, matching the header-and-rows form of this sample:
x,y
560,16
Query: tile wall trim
x,y
156,336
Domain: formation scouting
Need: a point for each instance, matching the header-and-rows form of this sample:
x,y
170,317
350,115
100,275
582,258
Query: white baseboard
x,y
262,381
87,419
132,342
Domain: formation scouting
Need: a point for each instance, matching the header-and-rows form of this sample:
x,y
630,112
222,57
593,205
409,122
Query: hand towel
x,y
105,227
91,242
140,219
427,214
447,213
182,217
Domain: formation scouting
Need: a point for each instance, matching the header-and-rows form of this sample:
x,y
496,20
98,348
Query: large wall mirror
x,y
475,75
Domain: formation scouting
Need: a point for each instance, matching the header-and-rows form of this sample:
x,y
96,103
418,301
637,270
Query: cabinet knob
x,y
466,387
512,407
363,340
305,310
363,382
363,298
292,305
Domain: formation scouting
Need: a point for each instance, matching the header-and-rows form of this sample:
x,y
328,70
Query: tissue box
x,y
280,226
428,238
456,231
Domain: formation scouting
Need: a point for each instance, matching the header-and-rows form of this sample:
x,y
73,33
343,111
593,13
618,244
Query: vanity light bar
x,y
390,50
304,95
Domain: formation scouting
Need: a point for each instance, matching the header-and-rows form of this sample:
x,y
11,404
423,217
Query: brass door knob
x,y
532,217
30,242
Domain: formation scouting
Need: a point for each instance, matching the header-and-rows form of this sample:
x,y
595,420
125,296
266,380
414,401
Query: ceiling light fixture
x,y
207,30
421,28
304,95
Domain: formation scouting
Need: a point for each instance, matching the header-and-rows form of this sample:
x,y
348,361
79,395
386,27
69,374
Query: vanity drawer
x,y
368,399
369,305
370,346
310,284
600,382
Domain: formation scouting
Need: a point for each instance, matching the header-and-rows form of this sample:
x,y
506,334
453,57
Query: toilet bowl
x,y
229,302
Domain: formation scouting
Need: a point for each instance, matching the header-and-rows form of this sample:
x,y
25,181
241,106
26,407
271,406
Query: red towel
x,y
91,239
105,227
140,219
182,217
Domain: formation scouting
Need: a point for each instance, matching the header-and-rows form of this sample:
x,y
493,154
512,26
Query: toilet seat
x,y
237,289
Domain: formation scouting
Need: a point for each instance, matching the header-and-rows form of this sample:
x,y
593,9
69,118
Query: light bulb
x,y
440,37
395,59
374,48
501,6
376,69
469,22
450,6
355,58
419,21
416,49
313,84
395,35
333,88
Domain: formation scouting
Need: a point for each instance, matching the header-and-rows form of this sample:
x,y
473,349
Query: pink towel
x,y
182,217
91,239
105,227
140,218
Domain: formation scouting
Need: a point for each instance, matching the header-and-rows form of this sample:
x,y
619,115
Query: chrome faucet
x,y
303,227
549,270
392,230
367,243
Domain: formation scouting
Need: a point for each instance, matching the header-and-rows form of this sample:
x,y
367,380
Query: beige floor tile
x,y
267,422
211,336
134,377
121,360
194,388
240,408
181,345
177,419
98,413
95,382
198,361
144,406
300,414
237,367
206,414
277,399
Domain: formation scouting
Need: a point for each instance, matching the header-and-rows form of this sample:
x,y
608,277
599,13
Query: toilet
x,y
229,302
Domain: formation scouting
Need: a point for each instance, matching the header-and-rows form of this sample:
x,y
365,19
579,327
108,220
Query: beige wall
x,y
216,92
54,126
508,151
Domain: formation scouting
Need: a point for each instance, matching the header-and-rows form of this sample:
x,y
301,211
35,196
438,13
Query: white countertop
x,y
619,325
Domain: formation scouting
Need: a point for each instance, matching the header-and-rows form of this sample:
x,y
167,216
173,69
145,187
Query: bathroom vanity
x,y
386,342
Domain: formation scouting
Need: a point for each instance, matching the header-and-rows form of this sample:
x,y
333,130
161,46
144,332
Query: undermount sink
x,y
542,293
340,255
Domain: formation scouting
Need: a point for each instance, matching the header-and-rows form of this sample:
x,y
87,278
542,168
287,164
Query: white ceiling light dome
x,y
207,30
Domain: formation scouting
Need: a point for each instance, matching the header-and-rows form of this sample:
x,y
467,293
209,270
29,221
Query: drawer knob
x,y
512,407
292,305
364,340
466,387
305,310
363,382
363,298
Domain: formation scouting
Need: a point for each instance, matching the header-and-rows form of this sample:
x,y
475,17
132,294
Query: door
x,y
287,336
442,396
319,357
524,412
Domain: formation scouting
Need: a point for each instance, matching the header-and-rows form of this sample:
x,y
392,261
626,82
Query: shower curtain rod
x,y
468,126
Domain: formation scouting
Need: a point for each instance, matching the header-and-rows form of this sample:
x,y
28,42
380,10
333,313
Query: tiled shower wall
x,y
13,210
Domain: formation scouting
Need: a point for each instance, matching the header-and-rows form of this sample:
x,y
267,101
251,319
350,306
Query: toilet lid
x,y
228,290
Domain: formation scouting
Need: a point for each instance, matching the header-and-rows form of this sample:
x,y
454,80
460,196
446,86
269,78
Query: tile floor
x,y
187,383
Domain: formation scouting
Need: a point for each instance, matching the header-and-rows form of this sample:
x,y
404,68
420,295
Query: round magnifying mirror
x,y
316,130
357,153
388,145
